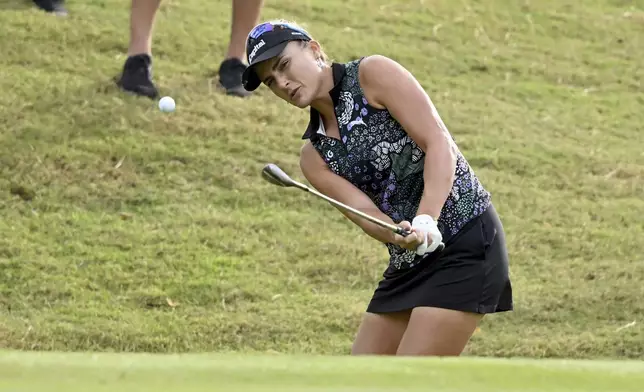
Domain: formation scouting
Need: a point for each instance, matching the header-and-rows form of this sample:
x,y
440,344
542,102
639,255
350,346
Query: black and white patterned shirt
x,y
377,155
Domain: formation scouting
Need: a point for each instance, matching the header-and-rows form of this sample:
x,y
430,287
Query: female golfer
x,y
376,143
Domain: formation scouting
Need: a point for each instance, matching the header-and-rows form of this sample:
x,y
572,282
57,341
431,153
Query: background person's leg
x,y
142,17
245,15
137,70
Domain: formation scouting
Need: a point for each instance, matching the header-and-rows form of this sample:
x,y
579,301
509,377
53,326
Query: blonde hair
x,y
323,55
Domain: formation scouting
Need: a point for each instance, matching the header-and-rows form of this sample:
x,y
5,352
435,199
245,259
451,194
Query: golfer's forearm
x,y
375,231
440,166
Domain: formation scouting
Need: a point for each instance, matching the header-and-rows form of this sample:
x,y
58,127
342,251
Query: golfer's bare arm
x,y
332,185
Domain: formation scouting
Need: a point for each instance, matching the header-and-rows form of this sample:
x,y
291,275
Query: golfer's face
x,y
293,75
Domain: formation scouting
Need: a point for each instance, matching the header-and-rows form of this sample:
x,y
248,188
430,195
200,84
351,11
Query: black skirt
x,y
471,274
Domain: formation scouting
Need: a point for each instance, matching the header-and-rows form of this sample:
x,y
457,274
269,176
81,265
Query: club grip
x,y
405,233
402,232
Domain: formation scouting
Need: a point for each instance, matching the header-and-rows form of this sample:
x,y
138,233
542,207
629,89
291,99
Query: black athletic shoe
x,y
230,77
54,6
137,76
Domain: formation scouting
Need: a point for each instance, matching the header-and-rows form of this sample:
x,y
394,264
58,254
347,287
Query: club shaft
x,y
361,214
276,176
370,218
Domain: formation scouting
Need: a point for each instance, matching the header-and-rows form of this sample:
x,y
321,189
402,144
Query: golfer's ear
x,y
315,47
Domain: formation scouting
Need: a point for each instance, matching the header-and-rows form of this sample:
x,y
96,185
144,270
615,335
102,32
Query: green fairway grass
x,y
135,372
127,229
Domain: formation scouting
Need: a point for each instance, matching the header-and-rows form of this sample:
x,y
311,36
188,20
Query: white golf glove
x,y
427,225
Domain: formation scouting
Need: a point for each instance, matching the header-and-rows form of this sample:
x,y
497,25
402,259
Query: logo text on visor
x,y
257,46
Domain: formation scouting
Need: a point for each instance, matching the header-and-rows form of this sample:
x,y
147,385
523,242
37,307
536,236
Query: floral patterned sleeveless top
x,y
376,155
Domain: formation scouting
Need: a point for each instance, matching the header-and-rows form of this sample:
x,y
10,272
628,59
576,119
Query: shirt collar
x,y
314,119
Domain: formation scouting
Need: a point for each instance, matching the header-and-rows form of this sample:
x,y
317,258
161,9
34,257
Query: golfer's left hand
x,y
427,228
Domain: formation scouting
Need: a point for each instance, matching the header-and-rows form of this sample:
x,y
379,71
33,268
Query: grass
x,y
233,372
127,229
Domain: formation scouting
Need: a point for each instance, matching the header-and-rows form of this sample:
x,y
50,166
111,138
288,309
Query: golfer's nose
x,y
282,83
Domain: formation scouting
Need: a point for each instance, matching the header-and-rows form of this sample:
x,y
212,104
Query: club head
x,y
273,174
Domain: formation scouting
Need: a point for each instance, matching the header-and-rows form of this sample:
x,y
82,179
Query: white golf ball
x,y
166,104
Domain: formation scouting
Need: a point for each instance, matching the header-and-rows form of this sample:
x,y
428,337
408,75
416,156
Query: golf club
x,y
276,176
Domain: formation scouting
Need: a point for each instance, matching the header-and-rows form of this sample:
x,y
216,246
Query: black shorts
x,y
471,274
